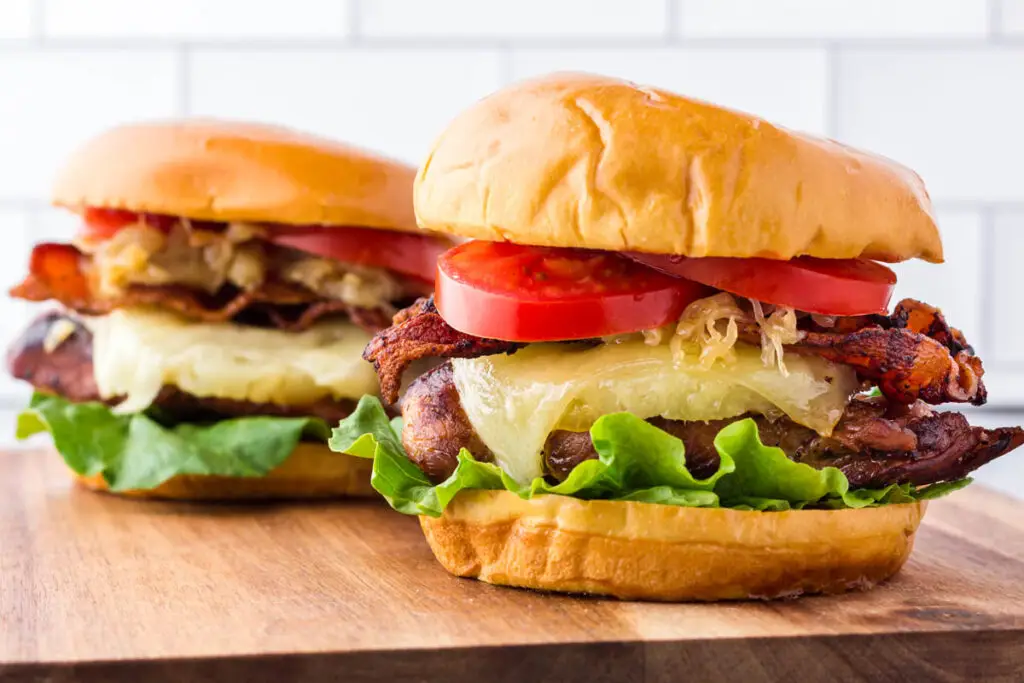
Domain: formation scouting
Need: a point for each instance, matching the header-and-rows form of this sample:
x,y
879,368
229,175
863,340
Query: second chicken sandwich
x,y
215,301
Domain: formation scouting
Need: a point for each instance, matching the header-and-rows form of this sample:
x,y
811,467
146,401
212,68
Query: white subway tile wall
x,y
953,115
16,20
393,100
17,231
786,85
523,18
1007,250
937,84
1011,15
832,19
957,284
194,19
53,99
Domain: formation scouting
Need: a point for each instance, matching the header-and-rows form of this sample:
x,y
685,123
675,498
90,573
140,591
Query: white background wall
x,y
936,84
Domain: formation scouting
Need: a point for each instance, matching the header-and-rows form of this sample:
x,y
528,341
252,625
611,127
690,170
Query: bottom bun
x,y
311,471
662,552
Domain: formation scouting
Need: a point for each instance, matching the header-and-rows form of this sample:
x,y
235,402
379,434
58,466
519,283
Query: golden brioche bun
x,y
233,171
577,160
663,552
311,471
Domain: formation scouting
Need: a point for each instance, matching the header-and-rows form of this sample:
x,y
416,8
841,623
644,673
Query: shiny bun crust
x,y
232,171
574,160
311,471
662,552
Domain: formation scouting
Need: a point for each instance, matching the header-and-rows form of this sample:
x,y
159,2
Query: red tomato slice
x,y
102,224
402,252
529,294
815,285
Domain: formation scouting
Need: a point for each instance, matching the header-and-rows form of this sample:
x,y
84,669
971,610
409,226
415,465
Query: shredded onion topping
x,y
777,329
709,329
204,259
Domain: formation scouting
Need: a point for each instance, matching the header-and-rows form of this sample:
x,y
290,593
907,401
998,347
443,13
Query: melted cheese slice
x,y
136,352
514,402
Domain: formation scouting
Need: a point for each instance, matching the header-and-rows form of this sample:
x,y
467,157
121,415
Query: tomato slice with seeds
x,y
815,285
523,293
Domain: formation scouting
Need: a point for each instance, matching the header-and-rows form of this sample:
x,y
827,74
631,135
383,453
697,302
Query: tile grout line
x,y
673,15
979,205
38,20
355,21
560,44
995,19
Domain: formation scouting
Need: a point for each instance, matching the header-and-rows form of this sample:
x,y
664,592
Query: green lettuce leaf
x,y
943,488
623,468
369,433
766,473
636,462
138,452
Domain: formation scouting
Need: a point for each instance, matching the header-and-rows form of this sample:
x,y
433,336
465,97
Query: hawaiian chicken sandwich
x,y
673,368
214,305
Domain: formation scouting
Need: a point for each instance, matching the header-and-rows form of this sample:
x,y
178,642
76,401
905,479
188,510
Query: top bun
x,y
576,160
232,171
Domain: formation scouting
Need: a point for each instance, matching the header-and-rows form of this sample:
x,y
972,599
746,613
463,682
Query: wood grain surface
x,y
96,588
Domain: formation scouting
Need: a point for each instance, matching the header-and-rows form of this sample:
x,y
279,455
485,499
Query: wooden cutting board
x,y
96,588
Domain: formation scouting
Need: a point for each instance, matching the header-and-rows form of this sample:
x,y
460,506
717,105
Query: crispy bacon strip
x,y
906,365
370,319
912,354
420,332
56,273
925,319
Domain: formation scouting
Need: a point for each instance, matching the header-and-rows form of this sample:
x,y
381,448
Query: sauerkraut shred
x,y
777,329
209,259
708,331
